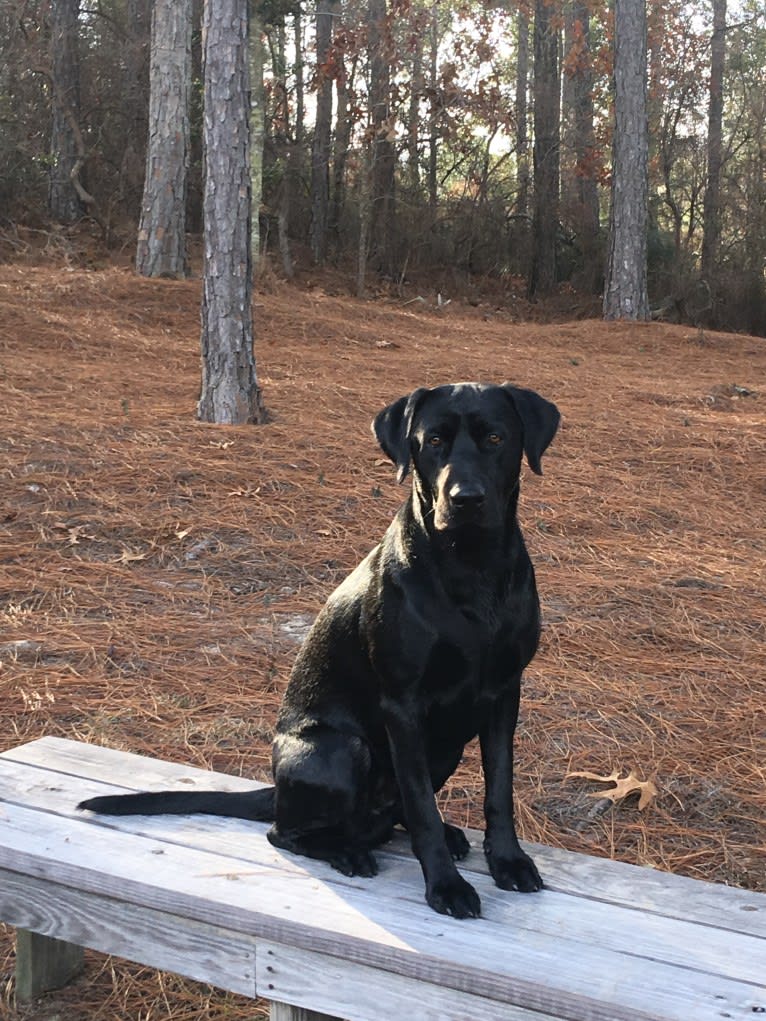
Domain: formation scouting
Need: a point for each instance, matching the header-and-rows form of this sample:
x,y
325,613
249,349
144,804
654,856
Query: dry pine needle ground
x,y
156,573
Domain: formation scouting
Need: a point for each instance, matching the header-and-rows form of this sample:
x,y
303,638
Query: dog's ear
x,y
540,420
392,427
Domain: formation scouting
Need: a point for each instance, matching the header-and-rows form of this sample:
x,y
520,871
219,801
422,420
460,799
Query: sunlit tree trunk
x,y
625,295
343,127
433,67
64,204
230,393
520,112
161,249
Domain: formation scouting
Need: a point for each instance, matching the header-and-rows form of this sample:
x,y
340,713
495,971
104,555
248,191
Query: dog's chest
x,y
461,667
478,651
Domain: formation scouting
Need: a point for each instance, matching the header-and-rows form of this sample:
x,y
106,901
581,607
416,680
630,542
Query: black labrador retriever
x,y
418,651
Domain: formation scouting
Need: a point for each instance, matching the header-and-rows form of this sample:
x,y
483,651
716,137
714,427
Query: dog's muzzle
x,y
459,503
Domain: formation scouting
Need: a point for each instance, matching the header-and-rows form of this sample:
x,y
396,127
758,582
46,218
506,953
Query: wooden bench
x,y
213,900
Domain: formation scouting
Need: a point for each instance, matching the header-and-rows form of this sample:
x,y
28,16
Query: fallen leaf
x,y
623,786
126,557
246,491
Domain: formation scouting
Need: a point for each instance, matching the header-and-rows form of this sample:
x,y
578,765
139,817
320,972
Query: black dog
x,y
419,650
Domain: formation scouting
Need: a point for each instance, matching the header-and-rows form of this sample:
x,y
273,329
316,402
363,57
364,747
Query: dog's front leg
x,y
511,868
446,890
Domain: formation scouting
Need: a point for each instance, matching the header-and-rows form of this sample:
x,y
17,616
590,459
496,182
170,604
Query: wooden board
x,y
561,953
576,874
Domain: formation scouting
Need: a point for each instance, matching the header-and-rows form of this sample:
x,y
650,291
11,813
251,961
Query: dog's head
x,y
465,442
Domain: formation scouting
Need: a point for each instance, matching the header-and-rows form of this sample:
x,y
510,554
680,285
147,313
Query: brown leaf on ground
x,y
623,786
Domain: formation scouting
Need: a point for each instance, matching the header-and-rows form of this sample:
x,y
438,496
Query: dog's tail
x,y
256,805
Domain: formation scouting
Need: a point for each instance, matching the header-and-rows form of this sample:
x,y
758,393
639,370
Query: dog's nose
x,y
467,495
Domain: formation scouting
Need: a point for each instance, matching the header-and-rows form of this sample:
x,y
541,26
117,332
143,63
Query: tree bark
x,y
711,206
321,148
230,393
257,130
413,119
545,217
625,295
383,153
136,98
433,141
343,126
64,203
161,249
300,102
586,204
520,111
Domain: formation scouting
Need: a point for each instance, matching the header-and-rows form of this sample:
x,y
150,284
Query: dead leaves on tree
x,y
623,786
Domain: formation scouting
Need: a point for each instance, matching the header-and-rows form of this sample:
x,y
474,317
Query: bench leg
x,y
284,1012
43,963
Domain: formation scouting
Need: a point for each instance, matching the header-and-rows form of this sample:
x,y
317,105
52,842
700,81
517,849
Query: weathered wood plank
x,y
43,964
595,923
356,993
503,963
161,940
577,874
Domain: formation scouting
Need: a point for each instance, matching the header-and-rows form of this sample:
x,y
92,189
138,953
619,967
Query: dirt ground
x,y
156,573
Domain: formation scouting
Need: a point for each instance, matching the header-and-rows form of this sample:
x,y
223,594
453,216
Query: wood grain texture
x,y
577,874
614,927
560,953
205,953
356,993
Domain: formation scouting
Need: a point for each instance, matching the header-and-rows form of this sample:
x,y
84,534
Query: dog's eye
x,y
435,440
495,439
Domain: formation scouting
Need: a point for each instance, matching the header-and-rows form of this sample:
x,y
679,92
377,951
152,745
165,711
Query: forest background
x,y
396,140
157,573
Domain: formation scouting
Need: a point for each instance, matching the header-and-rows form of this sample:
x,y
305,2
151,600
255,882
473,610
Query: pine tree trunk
x,y
711,207
287,151
625,295
300,102
520,109
320,151
135,97
161,249
230,393
63,201
586,204
433,67
383,153
342,143
545,219
413,126
257,131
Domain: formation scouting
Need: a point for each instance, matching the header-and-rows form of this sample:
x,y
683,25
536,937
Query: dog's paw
x,y
355,862
514,872
457,842
454,896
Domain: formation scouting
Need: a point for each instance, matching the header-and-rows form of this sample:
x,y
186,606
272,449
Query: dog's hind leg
x,y
322,800
457,842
